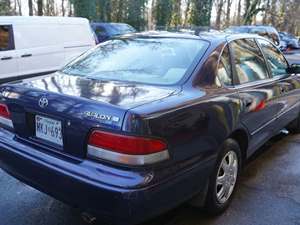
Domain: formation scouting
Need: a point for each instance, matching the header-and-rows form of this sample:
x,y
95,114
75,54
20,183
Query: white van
x,y
32,46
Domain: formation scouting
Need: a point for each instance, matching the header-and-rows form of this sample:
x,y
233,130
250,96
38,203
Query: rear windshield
x,y
144,60
119,29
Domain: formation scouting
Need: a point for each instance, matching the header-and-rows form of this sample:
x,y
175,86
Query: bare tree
x,y
30,6
239,12
228,12
63,9
40,7
187,11
19,2
219,6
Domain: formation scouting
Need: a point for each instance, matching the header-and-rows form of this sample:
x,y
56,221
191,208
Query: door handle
x,y
26,55
248,103
7,58
282,90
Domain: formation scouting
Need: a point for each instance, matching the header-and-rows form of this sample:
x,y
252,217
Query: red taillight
x,y
4,112
5,116
128,145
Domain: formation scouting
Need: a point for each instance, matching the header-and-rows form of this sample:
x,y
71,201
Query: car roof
x,y
252,26
207,36
108,24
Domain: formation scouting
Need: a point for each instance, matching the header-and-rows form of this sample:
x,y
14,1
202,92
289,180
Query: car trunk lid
x,y
79,105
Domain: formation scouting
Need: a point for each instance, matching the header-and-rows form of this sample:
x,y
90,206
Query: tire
x,y
214,203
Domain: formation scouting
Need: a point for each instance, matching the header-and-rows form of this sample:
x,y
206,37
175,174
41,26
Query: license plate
x,y
48,129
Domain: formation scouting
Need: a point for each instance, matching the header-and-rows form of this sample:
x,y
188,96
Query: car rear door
x,y
289,85
8,59
257,90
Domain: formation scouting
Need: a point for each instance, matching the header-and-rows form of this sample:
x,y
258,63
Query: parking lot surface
x,y
268,193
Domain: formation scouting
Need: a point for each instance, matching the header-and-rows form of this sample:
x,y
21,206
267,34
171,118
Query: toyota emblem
x,y
43,102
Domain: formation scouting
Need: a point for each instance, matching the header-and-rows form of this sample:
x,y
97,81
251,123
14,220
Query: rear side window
x,y
224,67
248,61
6,38
275,59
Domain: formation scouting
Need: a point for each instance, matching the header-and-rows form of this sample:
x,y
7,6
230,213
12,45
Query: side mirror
x,y
294,68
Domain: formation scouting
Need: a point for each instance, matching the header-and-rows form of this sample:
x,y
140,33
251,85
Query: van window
x,y
6,38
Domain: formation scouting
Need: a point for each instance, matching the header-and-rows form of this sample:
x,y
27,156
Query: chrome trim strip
x,y
272,120
6,122
263,126
286,111
133,160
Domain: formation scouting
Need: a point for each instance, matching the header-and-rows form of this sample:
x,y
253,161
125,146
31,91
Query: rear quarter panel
x,y
194,122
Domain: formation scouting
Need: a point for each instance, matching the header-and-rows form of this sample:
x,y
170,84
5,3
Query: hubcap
x,y
226,177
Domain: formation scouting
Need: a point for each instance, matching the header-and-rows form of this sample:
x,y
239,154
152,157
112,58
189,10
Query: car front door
x,y
289,84
8,58
257,90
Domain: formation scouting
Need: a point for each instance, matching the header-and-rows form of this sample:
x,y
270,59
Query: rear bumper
x,y
117,196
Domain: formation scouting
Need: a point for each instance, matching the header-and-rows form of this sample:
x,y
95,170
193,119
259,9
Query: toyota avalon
x,y
145,122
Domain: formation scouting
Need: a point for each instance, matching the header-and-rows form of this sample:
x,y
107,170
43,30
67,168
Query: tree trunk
x,y
186,13
228,12
70,8
267,12
19,7
273,11
239,12
30,6
40,7
63,9
219,14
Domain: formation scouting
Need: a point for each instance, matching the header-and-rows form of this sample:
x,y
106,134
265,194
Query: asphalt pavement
x,y
268,194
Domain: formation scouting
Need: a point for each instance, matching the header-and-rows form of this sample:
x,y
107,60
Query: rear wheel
x,y
224,178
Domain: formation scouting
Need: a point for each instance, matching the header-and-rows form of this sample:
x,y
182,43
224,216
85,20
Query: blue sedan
x,y
145,122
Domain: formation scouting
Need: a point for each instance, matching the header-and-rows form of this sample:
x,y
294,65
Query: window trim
x,y
236,82
226,45
266,59
11,40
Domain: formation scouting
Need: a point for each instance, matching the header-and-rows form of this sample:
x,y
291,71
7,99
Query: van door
x,y
8,58
39,48
77,39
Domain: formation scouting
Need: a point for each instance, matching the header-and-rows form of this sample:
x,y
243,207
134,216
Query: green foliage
x,y
135,13
176,13
251,9
162,12
85,8
5,7
201,12
127,11
103,8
